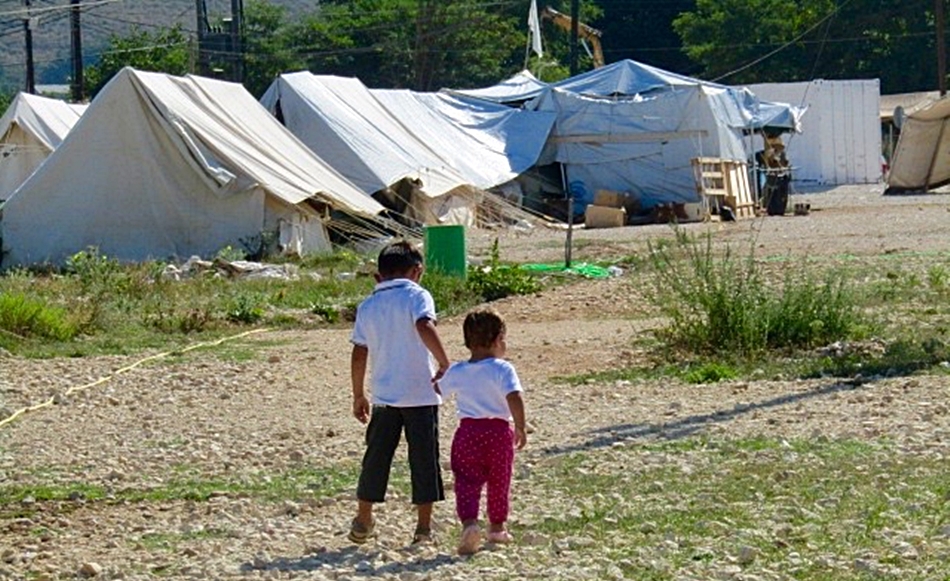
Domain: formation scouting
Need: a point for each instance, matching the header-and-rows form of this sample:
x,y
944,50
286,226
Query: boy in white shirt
x,y
488,397
395,333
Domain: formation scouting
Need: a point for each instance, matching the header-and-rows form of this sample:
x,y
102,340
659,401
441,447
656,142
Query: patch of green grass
x,y
290,485
900,357
694,506
711,373
172,541
23,317
689,372
95,305
894,358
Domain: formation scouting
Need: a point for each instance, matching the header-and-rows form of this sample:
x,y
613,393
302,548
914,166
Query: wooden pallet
x,y
724,182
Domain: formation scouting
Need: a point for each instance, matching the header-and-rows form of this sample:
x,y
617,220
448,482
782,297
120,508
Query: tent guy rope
x,y
127,368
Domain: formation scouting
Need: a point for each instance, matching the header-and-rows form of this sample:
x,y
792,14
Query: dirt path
x,y
216,414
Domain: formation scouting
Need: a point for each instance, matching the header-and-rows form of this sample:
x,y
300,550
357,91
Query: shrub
x,y
495,280
246,308
93,270
721,304
710,373
452,295
22,317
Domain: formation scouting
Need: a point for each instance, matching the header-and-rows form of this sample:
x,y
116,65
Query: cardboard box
x,y
603,217
694,212
610,199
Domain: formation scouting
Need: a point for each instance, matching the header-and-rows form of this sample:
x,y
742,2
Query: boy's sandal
x,y
500,537
360,533
422,536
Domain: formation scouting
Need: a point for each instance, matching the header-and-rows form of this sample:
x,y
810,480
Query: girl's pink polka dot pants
x,y
483,453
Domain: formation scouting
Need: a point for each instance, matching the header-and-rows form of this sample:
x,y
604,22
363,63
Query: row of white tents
x,y
160,166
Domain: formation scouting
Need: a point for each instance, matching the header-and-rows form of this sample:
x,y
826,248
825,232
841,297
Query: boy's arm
x,y
516,406
430,338
358,359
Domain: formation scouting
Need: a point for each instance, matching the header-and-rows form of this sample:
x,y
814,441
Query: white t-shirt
x,y
481,387
401,368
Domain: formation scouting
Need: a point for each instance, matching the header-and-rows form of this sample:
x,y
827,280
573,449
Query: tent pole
x,y
527,51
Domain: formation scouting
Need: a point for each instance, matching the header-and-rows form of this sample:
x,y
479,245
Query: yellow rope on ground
x,y
101,380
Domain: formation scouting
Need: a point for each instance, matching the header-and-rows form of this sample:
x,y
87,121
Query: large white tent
x,y
162,166
921,161
379,138
635,128
32,127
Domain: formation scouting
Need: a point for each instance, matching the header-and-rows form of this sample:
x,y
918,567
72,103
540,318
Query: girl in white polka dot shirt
x,y
488,397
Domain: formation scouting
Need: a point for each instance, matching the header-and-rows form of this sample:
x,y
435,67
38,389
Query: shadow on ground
x,y
350,558
689,425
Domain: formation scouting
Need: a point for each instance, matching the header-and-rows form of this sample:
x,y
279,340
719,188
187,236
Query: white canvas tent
x,y
921,161
840,142
635,128
162,166
30,130
449,147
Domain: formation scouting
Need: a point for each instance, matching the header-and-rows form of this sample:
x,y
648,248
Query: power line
x,y
784,46
36,11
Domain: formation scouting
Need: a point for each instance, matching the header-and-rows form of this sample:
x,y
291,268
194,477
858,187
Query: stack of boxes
x,y
609,210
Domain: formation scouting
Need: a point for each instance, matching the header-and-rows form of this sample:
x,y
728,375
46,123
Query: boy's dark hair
x,y
481,328
398,258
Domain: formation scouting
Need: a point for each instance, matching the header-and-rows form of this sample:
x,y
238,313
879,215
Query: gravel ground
x,y
210,414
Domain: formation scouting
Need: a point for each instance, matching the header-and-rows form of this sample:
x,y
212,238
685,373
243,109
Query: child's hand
x,y
361,408
435,386
521,438
443,367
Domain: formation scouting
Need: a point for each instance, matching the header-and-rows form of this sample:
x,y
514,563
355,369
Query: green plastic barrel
x,y
445,249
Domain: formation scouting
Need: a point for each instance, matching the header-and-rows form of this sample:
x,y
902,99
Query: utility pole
x,y
28,31
201,22
575,25
76,36
940,22
569,242
237,40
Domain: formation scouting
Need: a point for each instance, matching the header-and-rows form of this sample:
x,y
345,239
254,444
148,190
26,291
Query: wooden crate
x,y
724,182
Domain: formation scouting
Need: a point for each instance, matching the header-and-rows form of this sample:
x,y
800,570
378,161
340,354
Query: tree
x,y
418,44
269,51
642,30
556,62
6,97
166,50
734,40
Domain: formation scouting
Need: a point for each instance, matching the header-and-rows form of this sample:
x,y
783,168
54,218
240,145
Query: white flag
x,y
535,27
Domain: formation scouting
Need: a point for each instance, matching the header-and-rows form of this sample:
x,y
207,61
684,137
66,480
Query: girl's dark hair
x,y
481,328
398,258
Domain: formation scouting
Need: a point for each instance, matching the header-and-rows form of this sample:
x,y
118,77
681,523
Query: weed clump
x,y
718,303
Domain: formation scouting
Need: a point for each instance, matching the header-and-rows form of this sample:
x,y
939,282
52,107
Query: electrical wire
x,y
770,54
33,11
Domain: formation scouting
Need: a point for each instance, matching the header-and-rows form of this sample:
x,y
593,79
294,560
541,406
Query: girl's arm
x,y
516,406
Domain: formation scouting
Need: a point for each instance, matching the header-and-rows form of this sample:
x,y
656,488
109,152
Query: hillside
x,y
51,43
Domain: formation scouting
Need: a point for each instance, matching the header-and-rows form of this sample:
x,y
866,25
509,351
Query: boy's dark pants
x,y
386,425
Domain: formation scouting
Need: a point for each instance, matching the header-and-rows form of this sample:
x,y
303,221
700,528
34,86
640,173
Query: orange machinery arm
x,y
588,33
